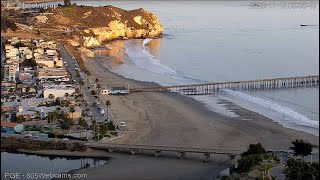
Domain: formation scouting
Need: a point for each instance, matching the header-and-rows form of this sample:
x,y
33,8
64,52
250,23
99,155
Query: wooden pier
x,y
262,84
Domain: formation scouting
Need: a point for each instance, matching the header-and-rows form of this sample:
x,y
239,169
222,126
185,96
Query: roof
x,y
8,124
118,88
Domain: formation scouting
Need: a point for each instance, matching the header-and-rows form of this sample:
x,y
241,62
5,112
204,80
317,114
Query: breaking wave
x,y
141,56
285,111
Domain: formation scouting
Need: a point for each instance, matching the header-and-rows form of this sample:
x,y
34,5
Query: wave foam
x,y
141,56
285,111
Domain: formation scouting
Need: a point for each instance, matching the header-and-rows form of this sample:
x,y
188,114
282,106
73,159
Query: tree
x,y
52,118
98,87
301,148
81,84
66,123
108,103
97,80
72,110
103,130
296,169
67,2
27,89
51,96
83,122
20,119
11,90
254,149
66,95
7,23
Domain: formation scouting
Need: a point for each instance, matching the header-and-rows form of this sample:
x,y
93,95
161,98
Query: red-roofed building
x,y
10,127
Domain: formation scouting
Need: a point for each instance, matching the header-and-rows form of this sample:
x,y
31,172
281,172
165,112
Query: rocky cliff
x,y
92,26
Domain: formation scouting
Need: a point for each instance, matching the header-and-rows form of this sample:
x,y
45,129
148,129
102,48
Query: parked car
x,y
65,139
28,135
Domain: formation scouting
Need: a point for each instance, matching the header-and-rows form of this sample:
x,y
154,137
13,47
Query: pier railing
x,y
134,149
261,84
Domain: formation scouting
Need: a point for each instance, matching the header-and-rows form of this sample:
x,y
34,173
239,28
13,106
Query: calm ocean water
x,y
224,41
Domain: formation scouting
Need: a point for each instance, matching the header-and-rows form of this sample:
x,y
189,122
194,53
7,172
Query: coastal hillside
x,y
92,26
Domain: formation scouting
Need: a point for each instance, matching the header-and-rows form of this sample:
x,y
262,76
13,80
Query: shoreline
x,y
185,109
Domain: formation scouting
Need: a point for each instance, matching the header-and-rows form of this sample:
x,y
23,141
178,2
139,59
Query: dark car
x,y
93,93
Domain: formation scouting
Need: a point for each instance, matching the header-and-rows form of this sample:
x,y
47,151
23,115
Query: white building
x,y
55,91
10,71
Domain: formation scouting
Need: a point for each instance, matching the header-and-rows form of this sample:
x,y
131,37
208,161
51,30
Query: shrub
x,y
301,148
249,161
254,149
298,169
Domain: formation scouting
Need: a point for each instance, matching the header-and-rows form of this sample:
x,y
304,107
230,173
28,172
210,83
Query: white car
x,y
65,139
28,135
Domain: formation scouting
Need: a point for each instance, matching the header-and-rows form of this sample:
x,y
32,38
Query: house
x,y
49,62
11,128
25,76
76,114
10,71
51,52
27,115
44,111
8,47
52,73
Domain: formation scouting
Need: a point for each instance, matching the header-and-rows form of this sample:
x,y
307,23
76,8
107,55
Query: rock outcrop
x,y
102,24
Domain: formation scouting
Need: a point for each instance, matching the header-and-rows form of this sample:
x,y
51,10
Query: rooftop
x,y
8,124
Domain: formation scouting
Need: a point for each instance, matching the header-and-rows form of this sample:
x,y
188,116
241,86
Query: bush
x,y
254,149
249,161
301,148
298,169
8,24
51,135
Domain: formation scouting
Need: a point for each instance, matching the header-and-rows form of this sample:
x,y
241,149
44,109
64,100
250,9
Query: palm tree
x,y
67,2
108,103
81,84
66,95
98,87
72,110
27,89
20,119
52,118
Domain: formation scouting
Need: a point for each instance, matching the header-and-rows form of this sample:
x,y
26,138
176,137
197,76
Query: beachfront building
x,y
54,91
52,74
49,61
46,44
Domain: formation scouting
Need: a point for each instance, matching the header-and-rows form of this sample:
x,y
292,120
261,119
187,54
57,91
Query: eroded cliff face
x,y
101,24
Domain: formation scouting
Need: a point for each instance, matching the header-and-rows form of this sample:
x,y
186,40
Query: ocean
x,y
215,41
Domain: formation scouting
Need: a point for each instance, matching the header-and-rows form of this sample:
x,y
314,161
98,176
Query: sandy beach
x,y
173,119
176,120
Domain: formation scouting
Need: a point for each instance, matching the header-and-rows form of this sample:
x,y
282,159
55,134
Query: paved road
x,y
278,173
87,88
